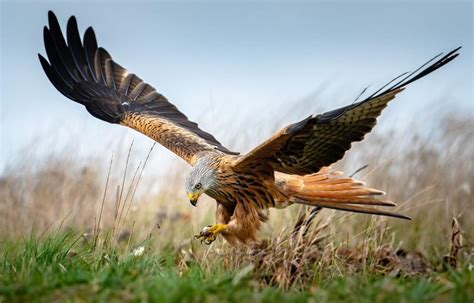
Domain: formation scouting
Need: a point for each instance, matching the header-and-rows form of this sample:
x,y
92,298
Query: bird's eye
x,y
198,186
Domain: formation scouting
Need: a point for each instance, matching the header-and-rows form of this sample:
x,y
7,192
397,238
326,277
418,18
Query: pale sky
x,y
225,63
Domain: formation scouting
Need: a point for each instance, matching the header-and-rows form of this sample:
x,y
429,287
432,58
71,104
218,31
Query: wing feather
x,y
87,74
317,141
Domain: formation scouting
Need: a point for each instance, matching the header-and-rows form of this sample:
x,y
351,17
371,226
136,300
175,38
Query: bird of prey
x,y
290,167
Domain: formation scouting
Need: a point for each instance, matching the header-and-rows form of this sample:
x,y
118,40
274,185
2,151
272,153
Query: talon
x,y
209,239
209,233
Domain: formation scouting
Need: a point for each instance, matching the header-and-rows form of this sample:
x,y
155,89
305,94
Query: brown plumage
x,y
290,167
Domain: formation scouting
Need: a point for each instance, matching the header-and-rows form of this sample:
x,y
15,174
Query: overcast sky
x,y
250,62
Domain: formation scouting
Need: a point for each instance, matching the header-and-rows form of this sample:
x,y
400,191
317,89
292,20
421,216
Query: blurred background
x,y
242,70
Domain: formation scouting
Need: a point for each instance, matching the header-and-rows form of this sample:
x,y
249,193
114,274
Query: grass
x,y
98,230
63,267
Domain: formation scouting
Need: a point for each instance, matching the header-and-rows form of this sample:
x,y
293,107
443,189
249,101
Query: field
x,y
100,230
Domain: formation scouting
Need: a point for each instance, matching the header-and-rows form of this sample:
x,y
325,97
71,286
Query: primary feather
x,y
320,140
86,73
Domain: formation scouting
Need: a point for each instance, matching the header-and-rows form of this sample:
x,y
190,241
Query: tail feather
x,y
346,192
353,208
328,189
336,186
344,200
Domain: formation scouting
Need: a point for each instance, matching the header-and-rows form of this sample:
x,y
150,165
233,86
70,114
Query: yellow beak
x,y
193,198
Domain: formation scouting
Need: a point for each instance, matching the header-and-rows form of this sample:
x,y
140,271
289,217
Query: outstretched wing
x,y
306,146
85,73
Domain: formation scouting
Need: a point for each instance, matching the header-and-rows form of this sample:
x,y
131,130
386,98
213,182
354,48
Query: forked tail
x,y
329,189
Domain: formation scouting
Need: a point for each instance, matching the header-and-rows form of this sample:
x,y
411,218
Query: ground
x,y
61,267
73,231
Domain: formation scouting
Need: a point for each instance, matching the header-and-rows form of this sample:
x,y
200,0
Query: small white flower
x,y
137,252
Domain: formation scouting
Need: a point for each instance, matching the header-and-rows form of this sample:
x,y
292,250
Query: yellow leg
x,y
209,233
217,228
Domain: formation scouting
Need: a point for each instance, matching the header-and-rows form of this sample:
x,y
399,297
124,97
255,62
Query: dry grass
x,y
431,178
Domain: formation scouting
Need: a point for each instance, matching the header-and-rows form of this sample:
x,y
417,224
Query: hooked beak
x,y
193,198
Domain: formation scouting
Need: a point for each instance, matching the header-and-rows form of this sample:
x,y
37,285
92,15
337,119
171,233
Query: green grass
x,y
61,266
342,257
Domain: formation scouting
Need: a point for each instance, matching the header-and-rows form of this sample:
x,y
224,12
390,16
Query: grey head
x,y
201,179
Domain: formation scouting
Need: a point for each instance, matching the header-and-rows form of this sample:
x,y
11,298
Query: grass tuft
x,y
74,231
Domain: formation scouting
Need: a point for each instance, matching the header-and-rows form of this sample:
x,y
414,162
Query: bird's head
x,y
200,180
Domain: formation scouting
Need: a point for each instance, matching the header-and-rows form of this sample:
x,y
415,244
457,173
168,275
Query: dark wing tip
x,y
72,29
456,49
423,71
72,21
45,33
90,34
43,60
53,21
51,16
90,41
410,77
